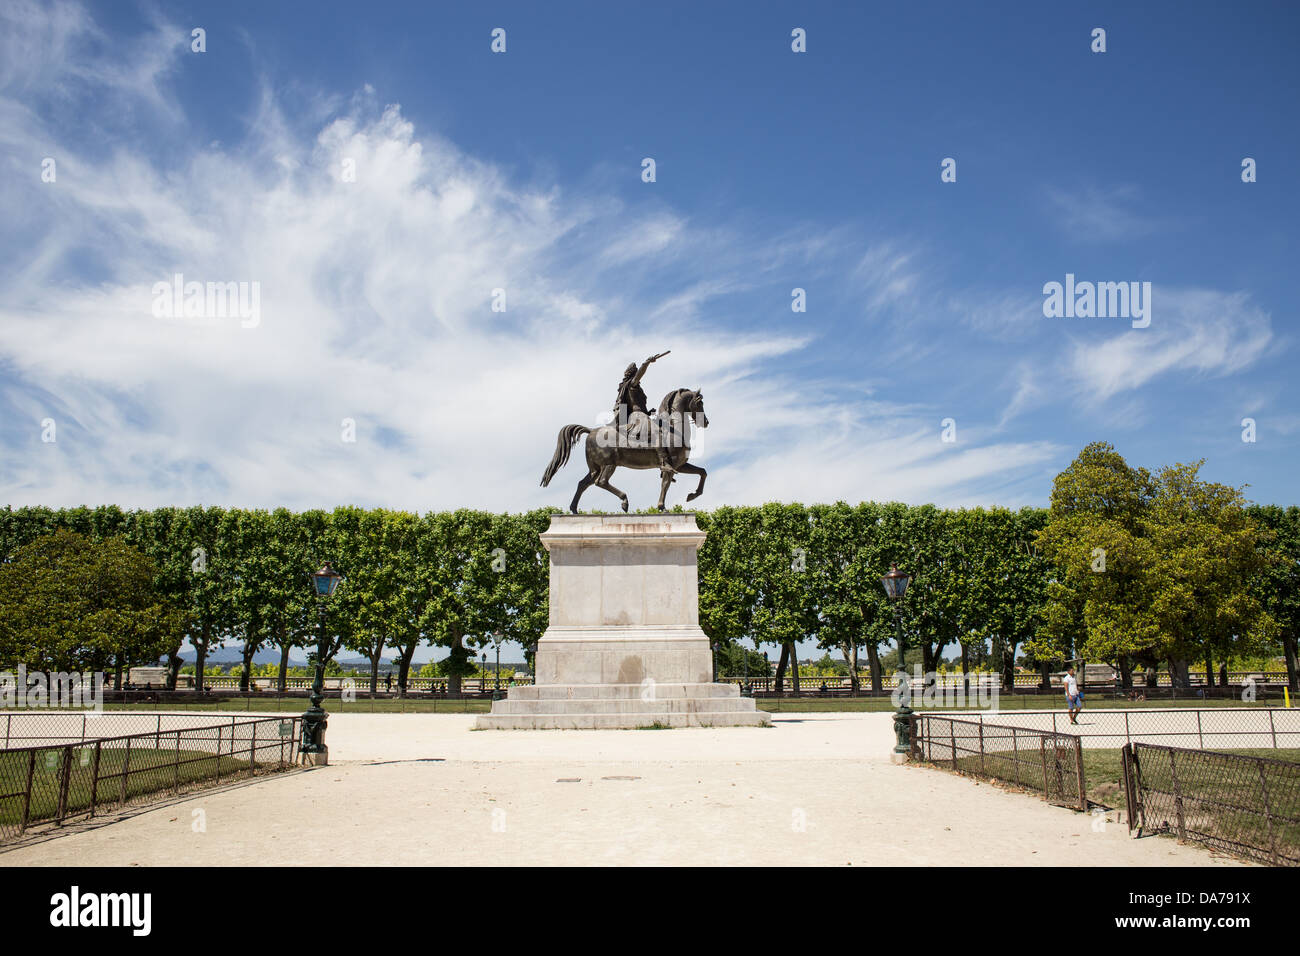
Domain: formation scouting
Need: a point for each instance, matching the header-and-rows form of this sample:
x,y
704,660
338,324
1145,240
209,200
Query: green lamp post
x,y
896,583
324,582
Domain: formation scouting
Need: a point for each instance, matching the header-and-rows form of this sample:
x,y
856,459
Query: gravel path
x,y
815,789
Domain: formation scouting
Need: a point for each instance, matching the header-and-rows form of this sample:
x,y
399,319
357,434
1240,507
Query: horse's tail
x,y
568,437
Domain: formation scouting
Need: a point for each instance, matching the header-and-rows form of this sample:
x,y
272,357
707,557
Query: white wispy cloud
x,y
1196,331
1099,214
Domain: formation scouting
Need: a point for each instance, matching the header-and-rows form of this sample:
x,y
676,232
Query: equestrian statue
x,y
638,437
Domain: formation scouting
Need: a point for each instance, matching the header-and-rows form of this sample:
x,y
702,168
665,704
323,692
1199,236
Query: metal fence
x,y
48,727
1248,806
53,782
1221,727
1049,763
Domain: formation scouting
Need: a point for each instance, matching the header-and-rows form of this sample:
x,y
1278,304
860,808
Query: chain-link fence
x,y
1237,728
48,727
1247,806
89,775
1051,764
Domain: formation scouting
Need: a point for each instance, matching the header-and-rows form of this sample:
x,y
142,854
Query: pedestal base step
x,y
622,707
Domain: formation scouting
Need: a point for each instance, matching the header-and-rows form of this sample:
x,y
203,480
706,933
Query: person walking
x,y
1073,696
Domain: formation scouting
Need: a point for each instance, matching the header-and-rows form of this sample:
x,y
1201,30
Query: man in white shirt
x,y
1073,699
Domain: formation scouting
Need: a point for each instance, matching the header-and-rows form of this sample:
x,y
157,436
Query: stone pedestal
x,y
624,647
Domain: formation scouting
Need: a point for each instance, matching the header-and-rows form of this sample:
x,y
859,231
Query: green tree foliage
x,y
1149,568
70,603
1278,586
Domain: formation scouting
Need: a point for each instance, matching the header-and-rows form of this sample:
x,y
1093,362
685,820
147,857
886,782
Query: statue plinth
x,y
624,647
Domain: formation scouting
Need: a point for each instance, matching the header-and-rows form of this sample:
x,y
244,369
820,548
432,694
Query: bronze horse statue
x,y
612,446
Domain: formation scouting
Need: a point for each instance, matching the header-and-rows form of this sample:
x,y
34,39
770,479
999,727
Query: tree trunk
x,y
1289,650
1209,669
1046,682
1008,667
965,661
174,663
374,669
873,661
794,668
245,678
282,682
117,673
1178,674
1125,673
201,654
780,668
850,650
404,668
457,660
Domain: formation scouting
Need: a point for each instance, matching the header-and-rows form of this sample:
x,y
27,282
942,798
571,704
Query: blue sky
x,y
522,171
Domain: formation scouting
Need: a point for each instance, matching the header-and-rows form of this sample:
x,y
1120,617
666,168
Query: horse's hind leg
x,y
583,485
602,481
689,469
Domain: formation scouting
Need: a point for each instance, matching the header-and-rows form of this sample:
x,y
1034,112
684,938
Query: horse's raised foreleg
x,y
688,469
602,481
583,485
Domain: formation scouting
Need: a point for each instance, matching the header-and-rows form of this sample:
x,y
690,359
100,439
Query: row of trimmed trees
x,y
1133,568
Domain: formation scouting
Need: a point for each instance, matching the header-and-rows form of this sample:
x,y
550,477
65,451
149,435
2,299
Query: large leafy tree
x,y
1278,585
68,602
1149,567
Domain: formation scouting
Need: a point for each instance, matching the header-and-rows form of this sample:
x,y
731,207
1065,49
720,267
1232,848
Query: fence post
x,y
1272,727
1128,738
252,749
65,777
1178,796
232,747
952,736
27,800
126,767
1015,753
1078,767
94,781
1131,783
176,767
981,725
9,725
1200,737
1268,816
1042,750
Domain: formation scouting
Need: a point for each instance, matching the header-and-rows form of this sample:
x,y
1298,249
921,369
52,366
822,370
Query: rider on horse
x,y
631,400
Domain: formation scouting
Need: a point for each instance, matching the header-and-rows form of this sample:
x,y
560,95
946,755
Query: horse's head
x,y
696,409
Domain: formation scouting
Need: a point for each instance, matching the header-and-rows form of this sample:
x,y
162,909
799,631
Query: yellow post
x,y
1286,692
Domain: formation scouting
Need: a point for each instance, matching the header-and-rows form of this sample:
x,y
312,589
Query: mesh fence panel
x,y
1200,728
1248,806
1051,764
56,782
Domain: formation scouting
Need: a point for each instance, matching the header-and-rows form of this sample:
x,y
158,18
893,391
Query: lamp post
x,y
313,748
496,677
715,662
482,682
895,583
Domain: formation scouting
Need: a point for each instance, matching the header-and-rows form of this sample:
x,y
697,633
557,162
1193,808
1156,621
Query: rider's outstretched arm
x,y
636,379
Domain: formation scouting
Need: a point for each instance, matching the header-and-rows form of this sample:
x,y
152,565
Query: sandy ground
x,y
425,789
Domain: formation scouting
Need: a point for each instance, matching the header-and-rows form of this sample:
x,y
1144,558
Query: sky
x,y
376,172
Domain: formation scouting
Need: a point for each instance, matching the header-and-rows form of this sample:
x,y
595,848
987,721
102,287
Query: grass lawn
x,y
270,703
159,770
